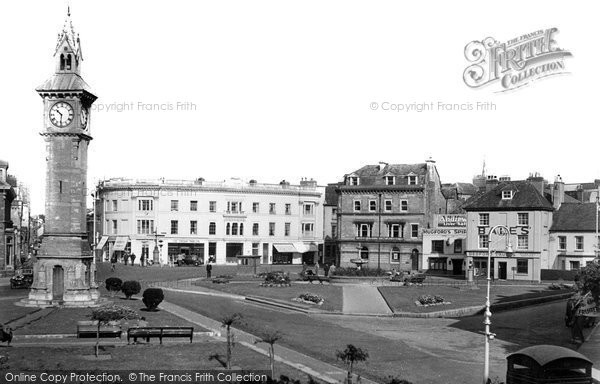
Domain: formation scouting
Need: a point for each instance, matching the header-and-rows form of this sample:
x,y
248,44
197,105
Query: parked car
x,y
189,260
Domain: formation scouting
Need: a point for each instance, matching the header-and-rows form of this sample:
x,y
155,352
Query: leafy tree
x,y
227,322
131,288
152,297
106,314
271,338
588,280
350,356
113,285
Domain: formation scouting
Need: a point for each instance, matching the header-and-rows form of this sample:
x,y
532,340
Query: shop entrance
x,y
502,270
457,267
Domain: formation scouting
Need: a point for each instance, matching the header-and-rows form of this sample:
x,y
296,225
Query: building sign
x,y
451,221
588,306
442,231
516,230
514,63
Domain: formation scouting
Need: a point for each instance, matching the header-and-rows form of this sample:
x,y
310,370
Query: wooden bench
x,y
159,332
89,329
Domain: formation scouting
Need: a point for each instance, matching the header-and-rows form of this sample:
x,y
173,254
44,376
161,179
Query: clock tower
x,y
64,273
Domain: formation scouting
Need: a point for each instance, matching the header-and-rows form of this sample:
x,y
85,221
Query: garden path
x,y
364,299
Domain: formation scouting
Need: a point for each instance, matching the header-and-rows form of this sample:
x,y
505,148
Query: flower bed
x,y
429,300
276,279
310,298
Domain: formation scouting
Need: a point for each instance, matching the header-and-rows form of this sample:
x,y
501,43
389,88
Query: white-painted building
x,y
159,219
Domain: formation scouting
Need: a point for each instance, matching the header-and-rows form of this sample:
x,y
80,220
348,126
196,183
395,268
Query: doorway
x,y
457,267
502,270
414,256
58,283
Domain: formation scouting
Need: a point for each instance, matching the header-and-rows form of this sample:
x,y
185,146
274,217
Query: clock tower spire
x,y
64,273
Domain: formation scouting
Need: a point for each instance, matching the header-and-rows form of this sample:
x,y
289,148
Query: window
x,y
287,229
255,248
458,246
115,205
523,241
507,195
363,253
523,218
372,206
352,180
212,206
573,265
271,229
145,205
437,246
234,229
522,266
114,227
193,205
412,180
307,229
356,205
212,228
212,250
234,207
174,227
364,230
174,205
394,230
414,230
334,230
241,229
484,219
255,207
272,208
562,243
308,209
387,205
404,205
484,241
389,180
228,229
395,255
193,227
144,227
288,209
579,243
255,229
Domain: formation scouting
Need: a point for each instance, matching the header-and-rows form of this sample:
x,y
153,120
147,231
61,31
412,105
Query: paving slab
x,y
364,299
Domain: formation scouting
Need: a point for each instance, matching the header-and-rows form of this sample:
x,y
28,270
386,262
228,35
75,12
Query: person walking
x,y
113,262
132,258
208,270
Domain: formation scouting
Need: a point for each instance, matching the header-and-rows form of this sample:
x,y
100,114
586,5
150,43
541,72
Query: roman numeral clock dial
x,y
61,114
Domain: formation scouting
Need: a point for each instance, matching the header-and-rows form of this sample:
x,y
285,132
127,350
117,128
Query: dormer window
x,y
507,195
412,180
353,180
62,62
68,65
390,180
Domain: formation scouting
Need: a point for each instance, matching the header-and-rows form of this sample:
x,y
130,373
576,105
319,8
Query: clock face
x,y
61,114
83,116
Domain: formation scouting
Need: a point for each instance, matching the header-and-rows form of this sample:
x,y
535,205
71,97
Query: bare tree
x,y
271,338
227,322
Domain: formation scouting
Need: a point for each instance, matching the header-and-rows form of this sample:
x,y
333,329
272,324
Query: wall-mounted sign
x,y
451,221
516,230
443,231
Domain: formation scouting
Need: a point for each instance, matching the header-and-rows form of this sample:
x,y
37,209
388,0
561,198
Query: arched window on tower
x,y
62,62
68,62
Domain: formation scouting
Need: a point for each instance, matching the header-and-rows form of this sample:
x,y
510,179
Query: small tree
x,y
227,322
152,297
271,338
351,355
105,314
588,280
131,288
113,285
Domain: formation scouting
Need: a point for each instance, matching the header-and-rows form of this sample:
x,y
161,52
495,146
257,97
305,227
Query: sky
x,y
286,89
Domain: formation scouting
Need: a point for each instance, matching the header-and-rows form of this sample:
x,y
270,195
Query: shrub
x,y
152,297
311,297
131,288
364,271
276,278
113,285
396,380
428,299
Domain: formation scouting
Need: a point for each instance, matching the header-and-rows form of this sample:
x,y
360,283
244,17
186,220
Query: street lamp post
x,y
488,314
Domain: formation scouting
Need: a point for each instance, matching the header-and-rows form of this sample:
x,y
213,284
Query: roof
x,y
331,196
546,354
574,217
525,197
64,82
452,190
374,174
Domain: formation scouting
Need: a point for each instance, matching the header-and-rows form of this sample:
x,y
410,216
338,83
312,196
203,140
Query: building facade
x,y
382,212
224,221
7,236
444,245
331,254
522,208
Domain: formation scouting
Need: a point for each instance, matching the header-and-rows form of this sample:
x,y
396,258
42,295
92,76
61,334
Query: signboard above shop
x,y
451,221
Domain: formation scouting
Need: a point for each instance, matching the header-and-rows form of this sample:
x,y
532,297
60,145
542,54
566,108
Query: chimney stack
x,y
537,181
558,192
491,182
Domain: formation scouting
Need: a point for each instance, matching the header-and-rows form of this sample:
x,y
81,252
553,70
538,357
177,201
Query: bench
x,y
318,278
87,329
159,332
417,279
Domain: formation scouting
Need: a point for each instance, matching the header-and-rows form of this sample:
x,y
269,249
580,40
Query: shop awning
x,y
285,248
303,248
102,242
121,243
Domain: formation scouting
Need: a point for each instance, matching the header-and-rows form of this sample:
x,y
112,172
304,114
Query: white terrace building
x,y
277,223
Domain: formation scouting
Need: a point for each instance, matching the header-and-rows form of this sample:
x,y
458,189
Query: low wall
x,y
358,279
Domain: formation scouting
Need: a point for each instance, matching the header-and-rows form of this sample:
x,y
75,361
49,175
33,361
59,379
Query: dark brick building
x,y
7,240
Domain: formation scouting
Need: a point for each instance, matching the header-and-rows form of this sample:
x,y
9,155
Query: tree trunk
x,y
272,360
228,348
98,339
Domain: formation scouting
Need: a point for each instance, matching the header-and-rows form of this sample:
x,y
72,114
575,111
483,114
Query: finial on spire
x,y
69,10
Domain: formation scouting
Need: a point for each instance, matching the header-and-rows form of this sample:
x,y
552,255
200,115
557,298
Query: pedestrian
x,y
317,268
331,270
142,259
208,270
5,334
577,321
113,262
132,258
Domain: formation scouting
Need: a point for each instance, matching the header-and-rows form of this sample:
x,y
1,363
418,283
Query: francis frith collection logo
x,y
516,62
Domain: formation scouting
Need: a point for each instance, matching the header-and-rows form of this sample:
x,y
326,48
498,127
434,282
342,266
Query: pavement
x,y
364,299
591,350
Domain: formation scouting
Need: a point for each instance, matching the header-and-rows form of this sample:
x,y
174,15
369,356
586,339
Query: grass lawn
x,y
142,356
402,299
332,293
64,320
